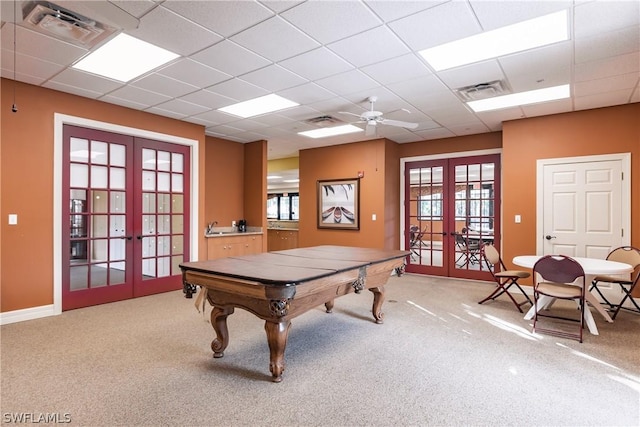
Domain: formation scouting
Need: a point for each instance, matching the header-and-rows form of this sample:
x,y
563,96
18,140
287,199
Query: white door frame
x,y
625,159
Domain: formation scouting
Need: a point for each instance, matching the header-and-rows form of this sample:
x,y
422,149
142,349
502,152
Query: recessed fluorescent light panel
x,y
522,98
257,106
525,35
333,131
124,58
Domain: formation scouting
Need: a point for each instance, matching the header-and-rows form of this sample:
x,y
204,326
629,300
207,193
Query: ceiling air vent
x,y
324,121
483,90
53,20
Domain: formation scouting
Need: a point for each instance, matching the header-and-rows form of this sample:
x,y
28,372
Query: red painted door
x,y
452,208
125,216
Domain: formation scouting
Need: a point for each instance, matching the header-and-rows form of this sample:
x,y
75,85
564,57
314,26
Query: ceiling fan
x,y
372,118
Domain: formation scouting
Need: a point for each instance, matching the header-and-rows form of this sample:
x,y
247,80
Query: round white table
x,y
592,267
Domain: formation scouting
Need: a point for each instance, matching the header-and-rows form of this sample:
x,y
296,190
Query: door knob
x,y
549,237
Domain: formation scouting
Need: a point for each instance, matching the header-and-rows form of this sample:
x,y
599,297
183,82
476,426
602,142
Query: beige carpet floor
x,y
439,359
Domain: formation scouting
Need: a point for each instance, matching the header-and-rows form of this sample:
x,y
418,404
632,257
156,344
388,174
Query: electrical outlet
x,y
233,223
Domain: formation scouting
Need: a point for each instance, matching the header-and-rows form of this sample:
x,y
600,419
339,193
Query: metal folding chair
x,y
504,278
559,277
628,255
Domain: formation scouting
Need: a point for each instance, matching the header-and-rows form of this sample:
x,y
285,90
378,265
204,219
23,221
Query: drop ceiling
x,y
330,56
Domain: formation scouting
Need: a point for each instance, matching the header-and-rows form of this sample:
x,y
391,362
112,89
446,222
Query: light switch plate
x,y
13,219
518,219
373,217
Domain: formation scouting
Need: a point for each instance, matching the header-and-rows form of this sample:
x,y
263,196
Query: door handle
x,y
549,237
139,237
126,237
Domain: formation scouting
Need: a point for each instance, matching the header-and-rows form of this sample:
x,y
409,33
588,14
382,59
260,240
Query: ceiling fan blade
x,y
399,123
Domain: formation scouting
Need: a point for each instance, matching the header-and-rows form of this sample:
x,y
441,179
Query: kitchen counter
x,y
232,231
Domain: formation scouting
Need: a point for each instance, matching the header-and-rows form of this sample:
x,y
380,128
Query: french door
x,y
125,216
452,208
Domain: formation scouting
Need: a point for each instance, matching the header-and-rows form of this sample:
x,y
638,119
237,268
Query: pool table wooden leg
x,y
378,299
277,333
219,323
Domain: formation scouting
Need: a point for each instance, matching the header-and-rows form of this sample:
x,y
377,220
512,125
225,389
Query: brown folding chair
x,y
559,277
504,278
628,255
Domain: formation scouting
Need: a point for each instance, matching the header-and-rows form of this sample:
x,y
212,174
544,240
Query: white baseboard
x,y
27,314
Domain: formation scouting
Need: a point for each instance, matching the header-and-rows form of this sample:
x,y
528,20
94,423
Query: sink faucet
x,y
210,226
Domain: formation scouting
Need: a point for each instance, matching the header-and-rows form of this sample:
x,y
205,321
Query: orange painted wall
x,y
584,133
339,162
255,187
223,202
26,181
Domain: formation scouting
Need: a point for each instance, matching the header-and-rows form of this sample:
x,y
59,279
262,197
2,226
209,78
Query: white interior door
x,y
584,205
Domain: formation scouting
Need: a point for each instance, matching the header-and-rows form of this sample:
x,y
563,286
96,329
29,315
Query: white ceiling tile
x,y
592,18
284,39
316,64
39,46
547,108
416,91
496,14
328,24
183,108
165,28
194,73
542,61
124,102
480,72
222,16
279,6
349,82
238,89
87,81
622,64
139,95
274,78
606,45
398,69
438,25
86,93
230,58
208,99
375,45
165,85
308,93
392,10
600,100
40,69
609,84
166,113
217,117
434,134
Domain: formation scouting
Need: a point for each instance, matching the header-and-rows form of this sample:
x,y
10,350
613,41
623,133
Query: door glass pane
x,y
79,150
117,226
148,159
148,224
117,249
164,161
164,224
164,245
99,202
177,203
164,266
148,181
99,250
177,160
99,153
98,275
176,183
164,203
176,247
79,175
98,177
118,179
118,155
148,247
177,224
148,268
163,182
118,202
149,203
99,226
78,278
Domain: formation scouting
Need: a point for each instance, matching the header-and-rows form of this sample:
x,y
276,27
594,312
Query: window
x,y
284,206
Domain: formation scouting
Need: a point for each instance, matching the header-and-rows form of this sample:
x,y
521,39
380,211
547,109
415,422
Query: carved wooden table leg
x,y
219,323
329,306
277,333
378,299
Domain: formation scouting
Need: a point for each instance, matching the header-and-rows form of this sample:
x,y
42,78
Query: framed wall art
x,y
339,204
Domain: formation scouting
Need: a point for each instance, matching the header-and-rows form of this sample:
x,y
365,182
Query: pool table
x,y
278,286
